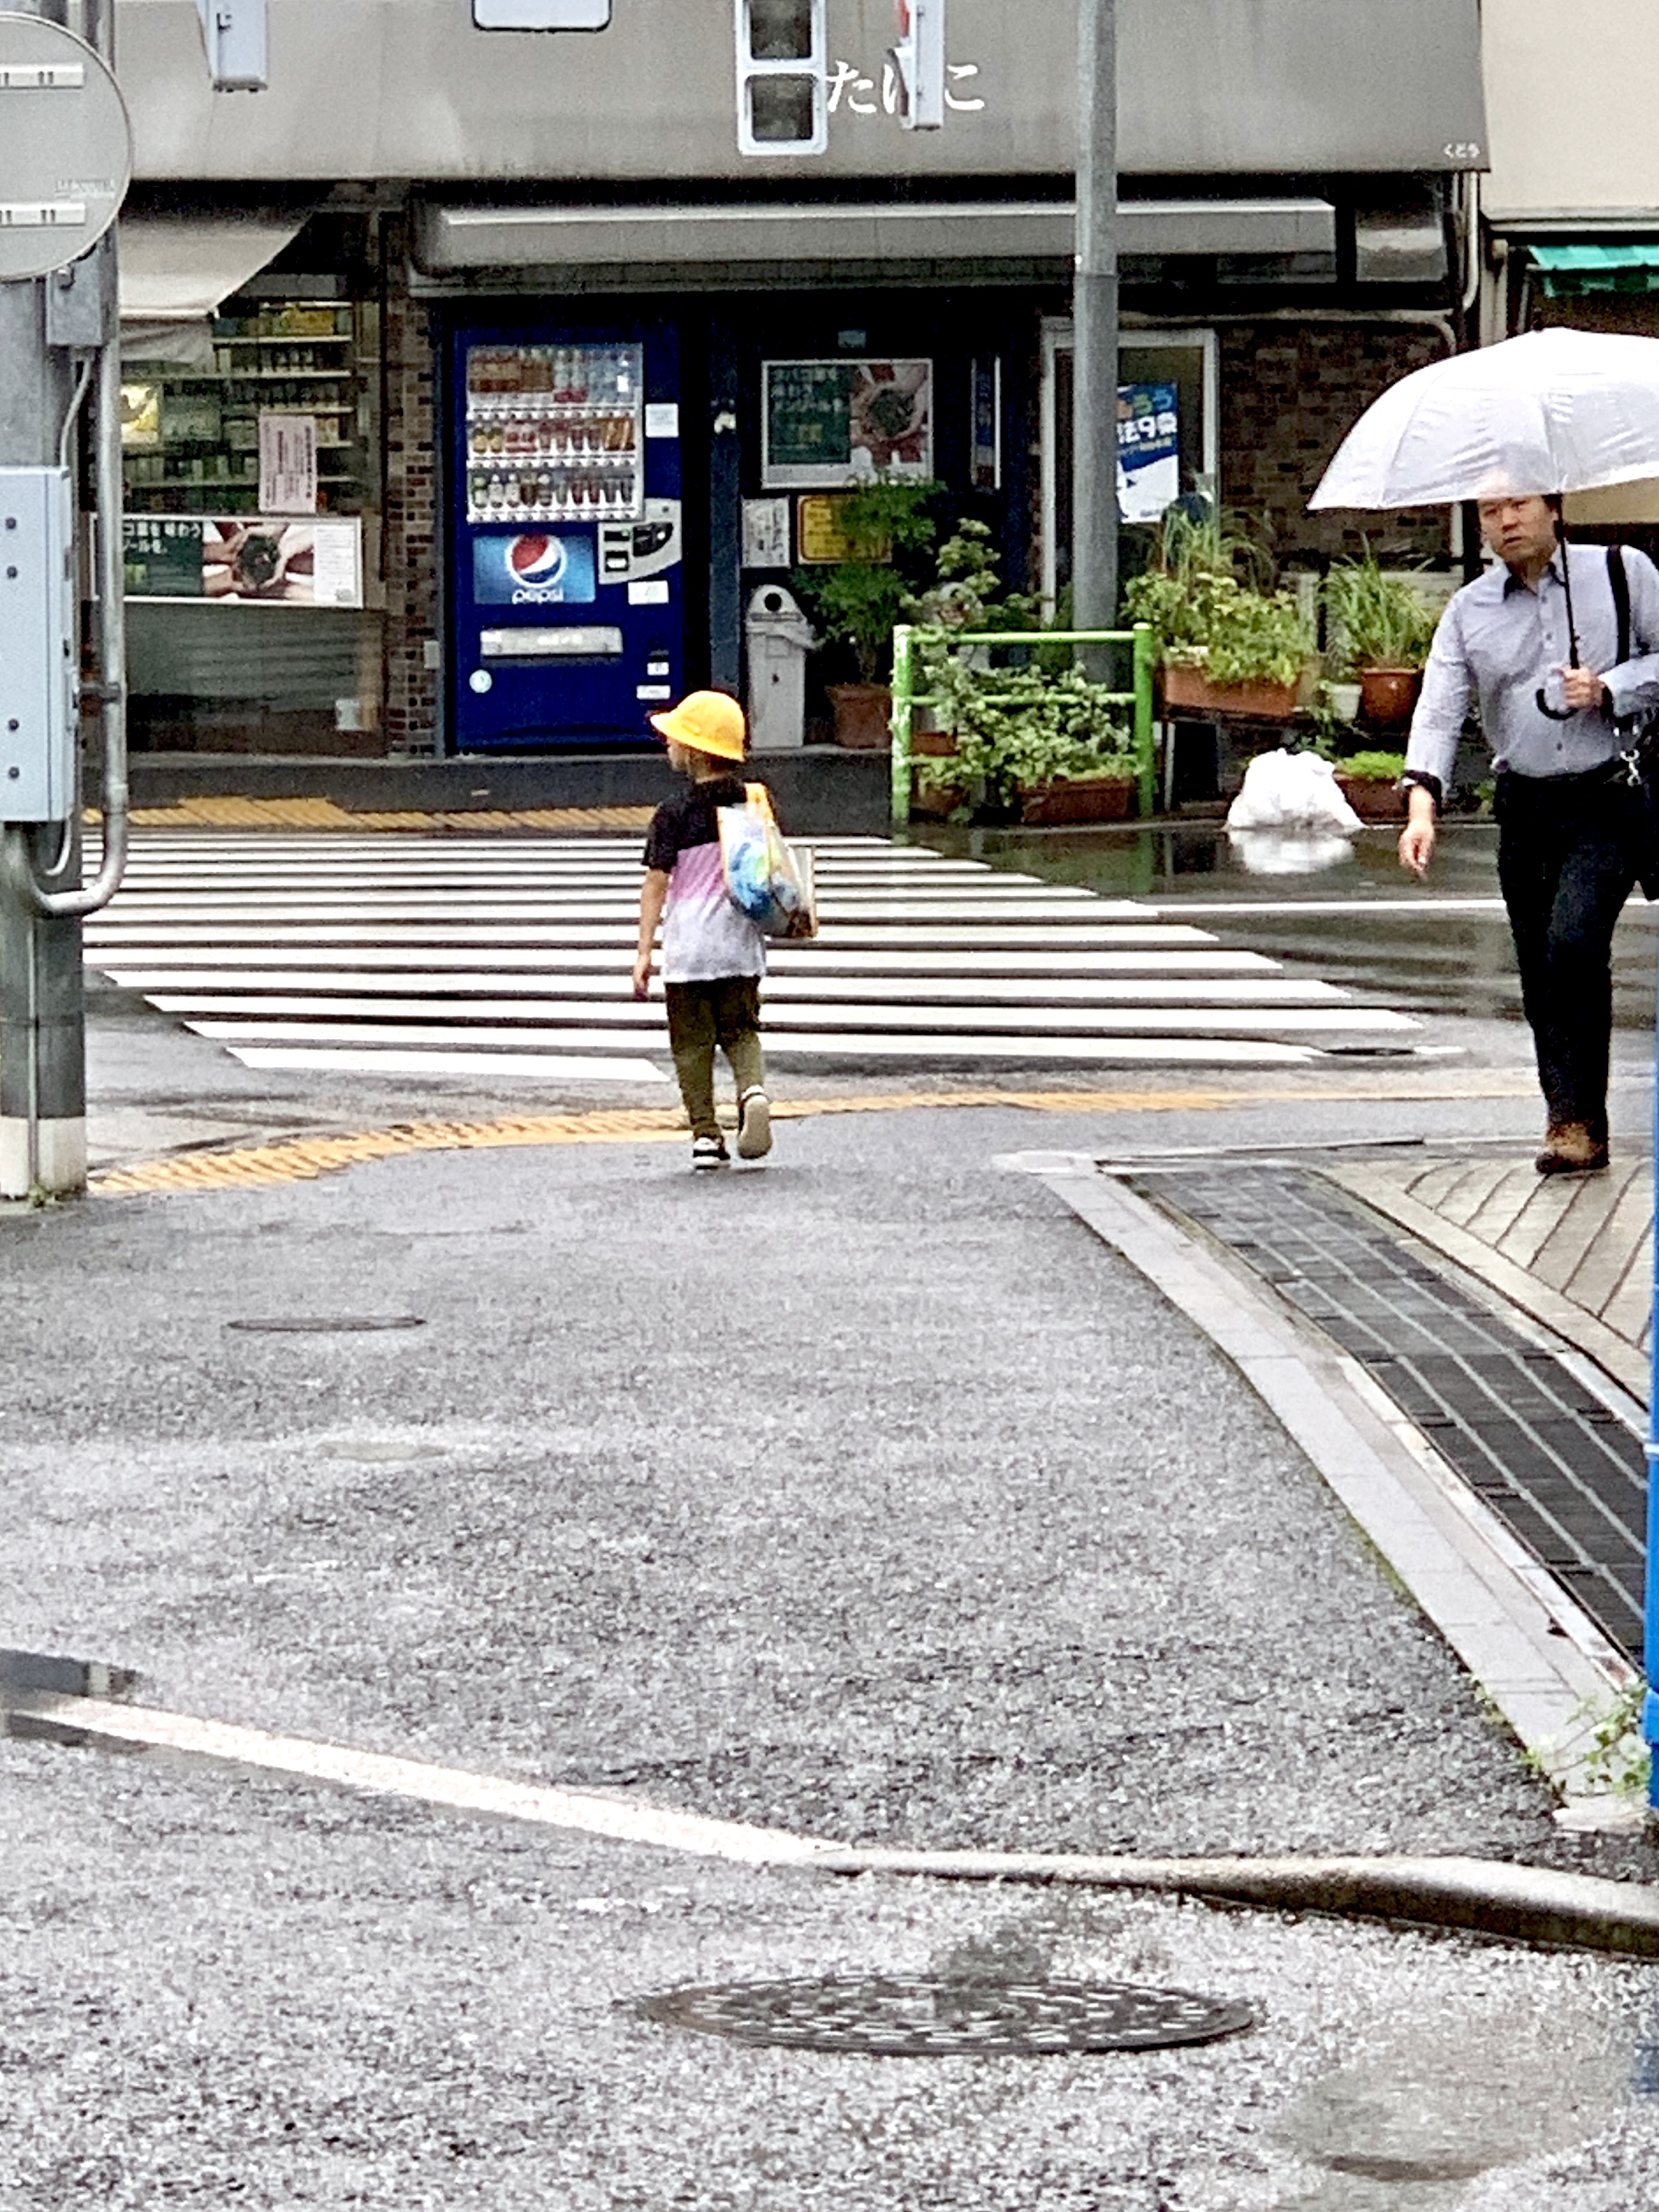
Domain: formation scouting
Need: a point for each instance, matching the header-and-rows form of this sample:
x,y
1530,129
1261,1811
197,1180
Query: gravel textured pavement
x,y
868,1495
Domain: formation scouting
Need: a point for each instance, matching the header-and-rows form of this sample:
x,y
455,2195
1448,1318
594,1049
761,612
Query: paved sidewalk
x,y
1575,1253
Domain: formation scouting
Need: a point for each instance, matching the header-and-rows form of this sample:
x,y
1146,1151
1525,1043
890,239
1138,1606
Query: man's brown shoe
x,y
1570,1149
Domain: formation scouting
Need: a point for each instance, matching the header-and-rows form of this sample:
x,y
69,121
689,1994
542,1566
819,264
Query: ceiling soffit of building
x,y
408,90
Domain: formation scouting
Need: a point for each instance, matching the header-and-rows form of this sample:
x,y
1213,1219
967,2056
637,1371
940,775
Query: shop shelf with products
x,y
192,431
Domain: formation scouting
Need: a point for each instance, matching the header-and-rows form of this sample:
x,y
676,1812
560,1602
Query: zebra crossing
x,y
456,956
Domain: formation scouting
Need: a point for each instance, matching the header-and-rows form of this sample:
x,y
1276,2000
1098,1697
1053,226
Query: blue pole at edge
x,y
1650,1625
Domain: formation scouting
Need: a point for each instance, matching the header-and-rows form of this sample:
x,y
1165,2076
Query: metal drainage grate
x,y
327,1325
1560,1470
922,2016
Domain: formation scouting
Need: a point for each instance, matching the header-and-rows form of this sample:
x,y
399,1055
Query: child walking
x,y
713,956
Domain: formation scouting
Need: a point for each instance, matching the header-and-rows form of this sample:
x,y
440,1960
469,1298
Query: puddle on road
x,y
1432,962
1412,2127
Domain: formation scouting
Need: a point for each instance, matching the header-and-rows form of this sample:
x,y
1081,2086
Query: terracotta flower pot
x,y
1387,695
1371,800
940,804
932,744
1191,689
1078,798
863,714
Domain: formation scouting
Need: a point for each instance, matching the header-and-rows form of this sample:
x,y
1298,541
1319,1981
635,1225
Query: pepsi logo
x,y
535,558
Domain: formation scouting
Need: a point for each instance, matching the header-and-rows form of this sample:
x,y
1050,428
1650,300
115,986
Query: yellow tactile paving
x,y
301,1159
232,813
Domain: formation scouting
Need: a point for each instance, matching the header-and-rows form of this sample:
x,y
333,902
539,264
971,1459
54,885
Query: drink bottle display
x,y
575,410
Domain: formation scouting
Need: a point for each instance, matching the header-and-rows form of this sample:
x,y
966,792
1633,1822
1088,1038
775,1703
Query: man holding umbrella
x,y
1557,643
1536,640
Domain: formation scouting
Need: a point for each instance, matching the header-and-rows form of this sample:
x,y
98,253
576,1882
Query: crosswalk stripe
x,y
348,993
451,955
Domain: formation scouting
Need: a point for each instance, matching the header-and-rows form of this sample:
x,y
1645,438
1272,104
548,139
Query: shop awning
x,y
177,271
744,243
1568,271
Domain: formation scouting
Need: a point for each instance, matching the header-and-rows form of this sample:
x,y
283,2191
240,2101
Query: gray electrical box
x,y
234,34
39,677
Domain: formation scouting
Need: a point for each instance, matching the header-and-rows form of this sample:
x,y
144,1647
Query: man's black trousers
x,y
1566,864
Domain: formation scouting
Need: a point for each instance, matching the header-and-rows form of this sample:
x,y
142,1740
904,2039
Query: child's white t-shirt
x,y
704,936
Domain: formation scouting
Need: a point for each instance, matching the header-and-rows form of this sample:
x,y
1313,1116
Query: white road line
x,y
1081,1051
532,1066
923,1026
1063,936
301,1758
186,965
488,995
1253,908
440,913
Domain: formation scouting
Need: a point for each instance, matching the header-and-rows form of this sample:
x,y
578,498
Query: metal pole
x,y
1095,320
43,1104
1650,1626
903,718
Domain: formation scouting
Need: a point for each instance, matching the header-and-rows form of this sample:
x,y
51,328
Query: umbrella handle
x,y
1555,714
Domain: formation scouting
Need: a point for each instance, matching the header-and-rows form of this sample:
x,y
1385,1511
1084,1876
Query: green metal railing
x,y
906,700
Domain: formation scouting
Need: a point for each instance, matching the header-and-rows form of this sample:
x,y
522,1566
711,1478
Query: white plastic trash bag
x,y
1291,791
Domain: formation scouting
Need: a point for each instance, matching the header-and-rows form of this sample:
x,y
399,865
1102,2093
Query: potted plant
x,y
1046,747
1230,643
966,594
858,600
1369,781
1381,628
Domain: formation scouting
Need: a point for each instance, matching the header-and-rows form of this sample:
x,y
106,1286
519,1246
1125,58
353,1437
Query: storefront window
x,y
192,435
250,501
1168,395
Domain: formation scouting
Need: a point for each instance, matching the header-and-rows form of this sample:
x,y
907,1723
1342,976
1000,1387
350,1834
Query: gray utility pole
x,y
1095,357
65,160
43,1055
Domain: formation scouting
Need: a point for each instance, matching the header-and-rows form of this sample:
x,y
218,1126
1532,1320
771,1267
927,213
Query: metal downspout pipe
x,y
109,587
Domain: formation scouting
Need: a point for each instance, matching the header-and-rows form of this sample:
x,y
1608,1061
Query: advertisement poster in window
x,y
1148,450
263,561
287,463
826,424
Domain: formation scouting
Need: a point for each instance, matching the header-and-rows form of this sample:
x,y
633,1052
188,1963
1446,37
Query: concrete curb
x,y
1520,1904
1535,1653
44,1700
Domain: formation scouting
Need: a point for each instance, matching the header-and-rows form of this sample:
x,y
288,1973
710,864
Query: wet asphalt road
x,y
867,1495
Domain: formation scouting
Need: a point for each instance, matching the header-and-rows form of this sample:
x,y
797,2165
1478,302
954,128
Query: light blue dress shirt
x,y
1504,641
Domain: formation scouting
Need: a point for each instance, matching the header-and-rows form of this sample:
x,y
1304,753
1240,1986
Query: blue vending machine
x,y
566,609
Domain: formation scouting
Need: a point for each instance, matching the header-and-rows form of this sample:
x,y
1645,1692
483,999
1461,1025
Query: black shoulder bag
x,y
1638,745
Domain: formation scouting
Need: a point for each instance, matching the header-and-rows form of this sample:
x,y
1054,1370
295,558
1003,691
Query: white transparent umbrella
x,y
1557,410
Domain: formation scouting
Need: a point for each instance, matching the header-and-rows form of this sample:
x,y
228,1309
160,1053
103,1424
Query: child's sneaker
x,y
710,1152
754,1125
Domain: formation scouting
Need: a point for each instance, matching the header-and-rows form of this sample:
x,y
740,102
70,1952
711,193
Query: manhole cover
x,y
327,1324
915,2015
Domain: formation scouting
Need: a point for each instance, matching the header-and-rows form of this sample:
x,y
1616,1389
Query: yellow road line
x,y
301,1159
235,813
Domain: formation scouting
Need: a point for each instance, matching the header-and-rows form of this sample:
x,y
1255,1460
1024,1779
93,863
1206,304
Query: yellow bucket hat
x,y
707,721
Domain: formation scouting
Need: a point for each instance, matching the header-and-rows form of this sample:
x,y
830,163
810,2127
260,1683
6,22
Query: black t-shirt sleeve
x,y
664,839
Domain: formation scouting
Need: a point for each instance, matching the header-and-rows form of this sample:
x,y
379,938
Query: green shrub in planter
x,y
1208,595
1375,621
1017,728
1373,766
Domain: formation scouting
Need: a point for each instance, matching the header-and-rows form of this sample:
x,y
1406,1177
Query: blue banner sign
x,y
1148,450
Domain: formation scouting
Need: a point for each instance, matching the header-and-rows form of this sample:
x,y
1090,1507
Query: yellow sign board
x,y
820,536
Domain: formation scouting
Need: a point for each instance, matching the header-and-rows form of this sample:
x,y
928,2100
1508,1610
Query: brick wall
x,y
1289,394
412,536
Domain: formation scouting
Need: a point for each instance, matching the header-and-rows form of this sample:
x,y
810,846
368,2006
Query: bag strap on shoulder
x,y
1619,581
